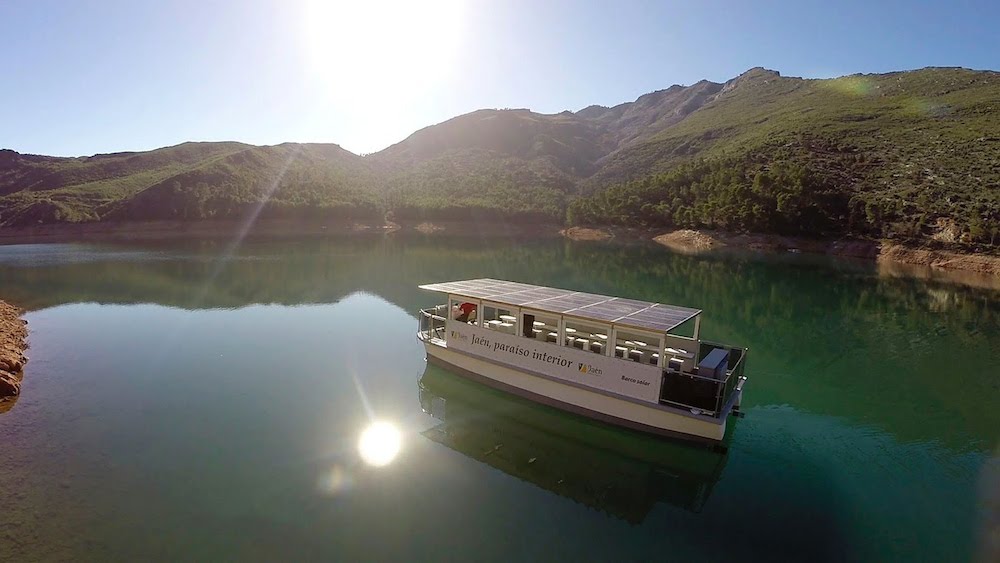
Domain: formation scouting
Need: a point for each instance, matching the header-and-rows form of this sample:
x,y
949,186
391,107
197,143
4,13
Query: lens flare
x,y
379,444
335,481
859,86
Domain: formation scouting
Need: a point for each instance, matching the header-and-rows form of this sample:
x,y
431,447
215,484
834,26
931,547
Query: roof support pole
x,y
697,327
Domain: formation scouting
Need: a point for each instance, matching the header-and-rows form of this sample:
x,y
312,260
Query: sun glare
x,y
366,49
379,444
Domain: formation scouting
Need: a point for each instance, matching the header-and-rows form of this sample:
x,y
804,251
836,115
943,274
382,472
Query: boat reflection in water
x,y
618,471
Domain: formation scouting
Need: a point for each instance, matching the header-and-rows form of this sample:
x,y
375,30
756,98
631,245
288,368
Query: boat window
x,y
540,326
638,347
590,337
498,317
464,310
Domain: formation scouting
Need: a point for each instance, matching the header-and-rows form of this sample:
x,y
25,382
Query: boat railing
x,y
706,395
734,380
432,322
700,395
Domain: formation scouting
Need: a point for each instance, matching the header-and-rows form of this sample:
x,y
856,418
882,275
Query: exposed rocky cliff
x,y
13,334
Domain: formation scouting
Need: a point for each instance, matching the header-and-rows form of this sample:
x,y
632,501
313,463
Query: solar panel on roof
x,y
600,315
632,302
631,312
614,308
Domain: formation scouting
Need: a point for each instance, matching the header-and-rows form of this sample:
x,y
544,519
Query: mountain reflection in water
x,y
617,471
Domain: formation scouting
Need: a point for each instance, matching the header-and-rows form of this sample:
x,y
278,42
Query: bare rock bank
x,y
585,233
693,242
688,241
941,259
12,346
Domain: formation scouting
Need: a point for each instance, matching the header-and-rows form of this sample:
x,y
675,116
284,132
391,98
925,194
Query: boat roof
x,y
603,308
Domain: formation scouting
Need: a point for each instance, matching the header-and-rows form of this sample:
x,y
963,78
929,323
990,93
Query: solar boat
x,y
628,362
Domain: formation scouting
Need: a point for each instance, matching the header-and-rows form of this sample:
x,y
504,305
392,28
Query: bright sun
x,y
379,444
370,48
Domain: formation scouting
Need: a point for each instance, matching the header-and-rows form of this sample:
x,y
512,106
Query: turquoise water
x,y
184,401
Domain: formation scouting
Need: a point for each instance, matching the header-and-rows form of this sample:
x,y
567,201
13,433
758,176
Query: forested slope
x,y
909,154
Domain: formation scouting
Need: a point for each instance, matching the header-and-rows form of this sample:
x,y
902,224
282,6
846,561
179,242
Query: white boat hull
x,y
659,419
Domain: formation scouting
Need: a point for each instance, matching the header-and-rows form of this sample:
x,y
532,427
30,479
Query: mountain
x,y
187,181
906,154
912,154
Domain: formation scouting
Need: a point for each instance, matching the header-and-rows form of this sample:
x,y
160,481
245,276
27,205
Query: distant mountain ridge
x,y
908,154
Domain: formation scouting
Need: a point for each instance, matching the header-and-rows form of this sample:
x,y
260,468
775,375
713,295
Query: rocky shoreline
x,y
883,252
13,335
886,253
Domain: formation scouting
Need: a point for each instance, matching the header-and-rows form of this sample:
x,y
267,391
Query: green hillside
x,y
899,154
289,180
910,155
40,189
188,181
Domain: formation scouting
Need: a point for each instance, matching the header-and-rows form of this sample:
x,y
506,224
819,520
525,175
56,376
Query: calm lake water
x,y
188,401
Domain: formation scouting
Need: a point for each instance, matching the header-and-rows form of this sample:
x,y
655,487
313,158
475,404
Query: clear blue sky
x,y
79,78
